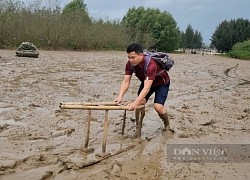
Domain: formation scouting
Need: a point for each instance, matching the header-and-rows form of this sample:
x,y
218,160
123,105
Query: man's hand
x,y
132,106
118,99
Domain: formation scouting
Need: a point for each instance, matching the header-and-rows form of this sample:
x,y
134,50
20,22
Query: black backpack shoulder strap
x,y
147,55
147,61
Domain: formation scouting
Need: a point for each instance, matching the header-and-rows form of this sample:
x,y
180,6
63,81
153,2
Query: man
x,y
154,80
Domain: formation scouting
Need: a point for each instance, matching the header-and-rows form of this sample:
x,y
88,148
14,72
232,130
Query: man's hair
x,y
137,48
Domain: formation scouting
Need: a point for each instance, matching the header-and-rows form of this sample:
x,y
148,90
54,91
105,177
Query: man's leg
x,y
162,112
161,94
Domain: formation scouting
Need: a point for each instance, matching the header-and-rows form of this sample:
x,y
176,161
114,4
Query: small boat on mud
x,y
27,49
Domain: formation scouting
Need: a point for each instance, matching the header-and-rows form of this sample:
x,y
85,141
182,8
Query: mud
x,y
208,103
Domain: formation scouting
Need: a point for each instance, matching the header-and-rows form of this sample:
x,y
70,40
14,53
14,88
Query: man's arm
x,y
142,95
124,88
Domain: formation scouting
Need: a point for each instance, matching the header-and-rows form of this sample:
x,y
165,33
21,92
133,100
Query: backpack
x,y
163,59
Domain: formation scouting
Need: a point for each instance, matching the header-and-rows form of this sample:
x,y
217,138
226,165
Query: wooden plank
x,y
105,156
90,103
101,107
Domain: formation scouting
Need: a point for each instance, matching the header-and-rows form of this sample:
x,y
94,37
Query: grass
x,y
240,50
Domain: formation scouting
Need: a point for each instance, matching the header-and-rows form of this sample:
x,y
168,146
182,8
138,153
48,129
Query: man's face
x,y
135,58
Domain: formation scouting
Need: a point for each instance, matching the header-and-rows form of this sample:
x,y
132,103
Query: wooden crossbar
x,y
95,107
90,103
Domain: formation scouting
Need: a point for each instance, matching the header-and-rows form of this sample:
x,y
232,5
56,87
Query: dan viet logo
x,y
196,154
208,153
202,151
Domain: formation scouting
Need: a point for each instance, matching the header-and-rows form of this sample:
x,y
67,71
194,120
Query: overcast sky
x,y
203,15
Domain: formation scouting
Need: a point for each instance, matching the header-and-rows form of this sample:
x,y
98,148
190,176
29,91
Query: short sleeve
x,y
128,70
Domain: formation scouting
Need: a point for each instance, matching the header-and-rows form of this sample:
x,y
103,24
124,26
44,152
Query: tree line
x,y
228,33
71,27
53,27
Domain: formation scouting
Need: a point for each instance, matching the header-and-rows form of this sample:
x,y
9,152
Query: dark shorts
x,y
161,93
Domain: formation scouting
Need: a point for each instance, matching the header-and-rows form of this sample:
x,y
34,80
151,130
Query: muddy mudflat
x,y
208,103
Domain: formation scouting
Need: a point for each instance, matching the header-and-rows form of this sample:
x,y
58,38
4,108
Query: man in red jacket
x,y
153,80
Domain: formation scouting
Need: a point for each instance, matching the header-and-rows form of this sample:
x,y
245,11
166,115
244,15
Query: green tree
x,y
76,24
191,39
189,35
197,40
152,28
230,32
183,43
77,9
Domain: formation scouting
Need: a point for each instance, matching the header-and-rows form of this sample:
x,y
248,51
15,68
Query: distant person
x,y
154,80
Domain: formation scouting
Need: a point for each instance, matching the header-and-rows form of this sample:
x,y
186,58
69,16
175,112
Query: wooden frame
x,y
104,106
